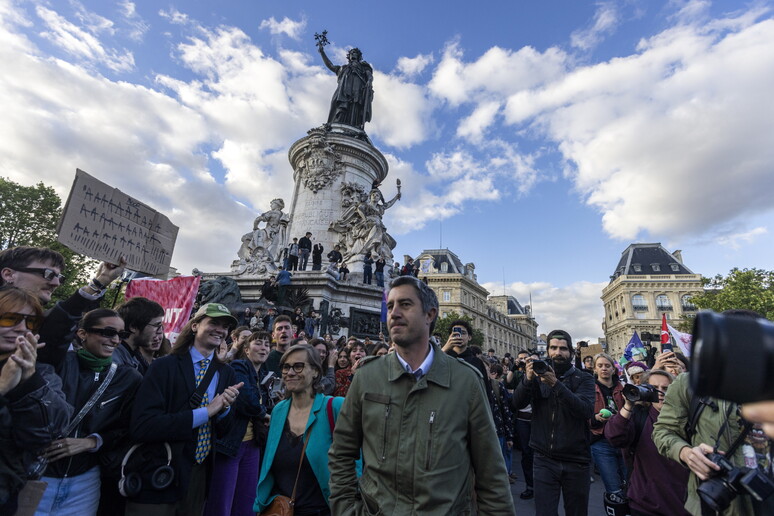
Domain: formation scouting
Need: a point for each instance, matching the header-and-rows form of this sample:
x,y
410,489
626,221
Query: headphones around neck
x,y
130,485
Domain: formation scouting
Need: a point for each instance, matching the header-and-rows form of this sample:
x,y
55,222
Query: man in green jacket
x,y
422,421
669,437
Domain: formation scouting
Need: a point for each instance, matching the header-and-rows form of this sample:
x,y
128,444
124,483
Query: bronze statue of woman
x,y
351,103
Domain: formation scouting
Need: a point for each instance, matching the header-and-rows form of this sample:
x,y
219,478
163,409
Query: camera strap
x,y
92,401
739,440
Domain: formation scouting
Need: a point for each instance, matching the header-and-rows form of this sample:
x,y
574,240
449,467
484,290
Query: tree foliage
x,y
750,289
443,328
28,217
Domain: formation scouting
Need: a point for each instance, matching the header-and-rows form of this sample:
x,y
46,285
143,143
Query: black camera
x,y
645,392
733,357
542,366
719,491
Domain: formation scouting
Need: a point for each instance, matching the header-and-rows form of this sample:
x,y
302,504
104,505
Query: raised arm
x,y
332,67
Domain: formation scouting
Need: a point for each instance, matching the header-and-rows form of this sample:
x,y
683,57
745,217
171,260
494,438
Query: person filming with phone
x,y
562,399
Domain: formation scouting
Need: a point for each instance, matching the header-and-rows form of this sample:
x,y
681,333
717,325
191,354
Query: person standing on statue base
x,y
305,248
367,268
317,251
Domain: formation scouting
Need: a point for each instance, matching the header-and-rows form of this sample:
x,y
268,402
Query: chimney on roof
x,y
678,254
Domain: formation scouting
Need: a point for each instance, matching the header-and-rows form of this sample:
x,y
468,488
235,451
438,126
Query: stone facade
x,y
648,281
505,329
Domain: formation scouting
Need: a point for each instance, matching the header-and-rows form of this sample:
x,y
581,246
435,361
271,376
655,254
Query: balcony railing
x,y
640,308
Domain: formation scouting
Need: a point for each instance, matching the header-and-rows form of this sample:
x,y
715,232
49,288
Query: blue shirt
x,y
200,414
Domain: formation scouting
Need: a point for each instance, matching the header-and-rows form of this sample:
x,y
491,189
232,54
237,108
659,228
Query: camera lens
x,y
732,357
539,366
643,392
716,494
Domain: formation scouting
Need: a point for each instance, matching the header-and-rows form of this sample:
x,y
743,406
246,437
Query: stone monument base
x,y
348,308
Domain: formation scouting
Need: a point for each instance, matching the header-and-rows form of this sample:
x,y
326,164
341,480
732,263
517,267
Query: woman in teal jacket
x,y
306,414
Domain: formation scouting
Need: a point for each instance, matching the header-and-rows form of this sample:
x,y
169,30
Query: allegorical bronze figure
x,y
351,103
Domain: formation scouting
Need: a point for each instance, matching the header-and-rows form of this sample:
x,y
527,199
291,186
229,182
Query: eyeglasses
x,y
297,367
11,319
158,325
110,332
48,274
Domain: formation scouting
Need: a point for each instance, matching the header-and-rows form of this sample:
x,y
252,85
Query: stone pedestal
x,y
322,162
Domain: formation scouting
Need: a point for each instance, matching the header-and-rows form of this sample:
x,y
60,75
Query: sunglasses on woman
x,y
11,319
110,332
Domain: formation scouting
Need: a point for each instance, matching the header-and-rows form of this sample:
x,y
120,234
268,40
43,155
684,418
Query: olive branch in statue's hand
x,y
321,39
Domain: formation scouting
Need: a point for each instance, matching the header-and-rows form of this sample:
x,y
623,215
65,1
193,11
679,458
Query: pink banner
x,y
177,296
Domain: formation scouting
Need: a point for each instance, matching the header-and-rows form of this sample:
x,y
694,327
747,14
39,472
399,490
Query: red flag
x,y
665,338
177,296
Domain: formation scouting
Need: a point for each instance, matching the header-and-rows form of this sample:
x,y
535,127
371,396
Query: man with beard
x,y
145,319
562,400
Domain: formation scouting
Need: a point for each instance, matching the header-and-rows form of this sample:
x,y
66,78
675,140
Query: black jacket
x,y
58,329
109,417
31,415
560,415
250,405
162,413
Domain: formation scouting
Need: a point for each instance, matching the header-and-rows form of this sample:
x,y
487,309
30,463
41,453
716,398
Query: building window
x,y
637,267
638,303
675,267
656,267
663,303
687,304
446,296
445,267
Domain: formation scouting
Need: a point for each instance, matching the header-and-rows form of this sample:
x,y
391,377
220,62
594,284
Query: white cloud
x,y
82,42
673,140
499,72
576,307
606,20
411,66
174,16
137,26
734,241
292,29
401,111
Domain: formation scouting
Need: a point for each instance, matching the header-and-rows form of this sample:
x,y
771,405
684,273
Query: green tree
x,y
28,217
443,328
750,289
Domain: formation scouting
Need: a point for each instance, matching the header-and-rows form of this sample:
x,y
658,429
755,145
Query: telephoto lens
x,y
645,392
733,357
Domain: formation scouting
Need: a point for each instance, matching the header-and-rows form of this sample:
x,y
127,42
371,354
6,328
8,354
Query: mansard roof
x,y
644,259
444,256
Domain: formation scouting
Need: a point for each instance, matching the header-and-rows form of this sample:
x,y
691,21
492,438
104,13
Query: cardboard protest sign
x,y
104,223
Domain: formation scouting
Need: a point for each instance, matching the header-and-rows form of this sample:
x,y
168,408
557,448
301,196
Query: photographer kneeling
x,y
631,429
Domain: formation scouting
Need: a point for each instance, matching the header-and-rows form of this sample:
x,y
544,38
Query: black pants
x,y
523,431
555,477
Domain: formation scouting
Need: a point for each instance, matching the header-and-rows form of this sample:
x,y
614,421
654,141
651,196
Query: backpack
x,y
696,407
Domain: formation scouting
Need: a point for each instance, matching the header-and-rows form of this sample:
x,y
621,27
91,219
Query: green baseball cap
x,y
216,310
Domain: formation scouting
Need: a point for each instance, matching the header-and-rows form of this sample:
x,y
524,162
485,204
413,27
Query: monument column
x,y
334,169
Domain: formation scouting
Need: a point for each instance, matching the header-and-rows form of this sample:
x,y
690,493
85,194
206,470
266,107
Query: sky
x,y
534,139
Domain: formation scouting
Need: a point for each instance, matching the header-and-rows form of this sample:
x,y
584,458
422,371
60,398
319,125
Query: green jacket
x,y
427,445
669,438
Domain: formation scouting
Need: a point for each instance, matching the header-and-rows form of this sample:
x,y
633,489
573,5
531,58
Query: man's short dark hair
x,y
476,350
426,295
20,257
279,319
137,312
465,324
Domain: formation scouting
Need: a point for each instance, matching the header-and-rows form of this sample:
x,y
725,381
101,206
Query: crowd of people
x,y
249,413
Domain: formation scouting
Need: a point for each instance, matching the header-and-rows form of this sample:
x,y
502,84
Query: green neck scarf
x,y
93,362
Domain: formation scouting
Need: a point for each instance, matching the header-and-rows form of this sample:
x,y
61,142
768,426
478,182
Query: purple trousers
x,y
234,481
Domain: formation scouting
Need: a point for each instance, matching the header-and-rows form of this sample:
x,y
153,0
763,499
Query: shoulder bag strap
x,y
329,409
196,398
92,401
300,462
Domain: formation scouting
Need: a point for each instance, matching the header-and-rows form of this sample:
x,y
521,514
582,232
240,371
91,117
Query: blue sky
x,y
539,138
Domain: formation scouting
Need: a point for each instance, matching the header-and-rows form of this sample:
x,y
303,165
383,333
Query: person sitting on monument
x,y
333,270
335,255
343,271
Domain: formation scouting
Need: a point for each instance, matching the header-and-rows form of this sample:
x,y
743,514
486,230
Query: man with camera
x,y
562,399
708,435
